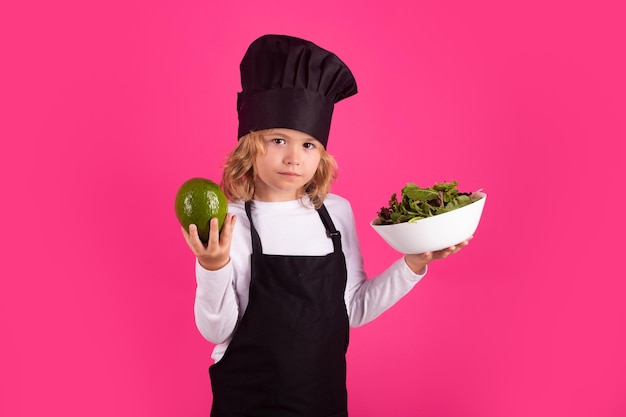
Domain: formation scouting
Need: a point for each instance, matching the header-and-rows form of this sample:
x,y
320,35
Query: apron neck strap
x,y
331,232
256,241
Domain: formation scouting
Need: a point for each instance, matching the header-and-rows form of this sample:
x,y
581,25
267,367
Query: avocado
x,y
198,200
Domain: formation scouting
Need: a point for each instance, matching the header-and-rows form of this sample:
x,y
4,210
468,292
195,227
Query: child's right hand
x,y
216,254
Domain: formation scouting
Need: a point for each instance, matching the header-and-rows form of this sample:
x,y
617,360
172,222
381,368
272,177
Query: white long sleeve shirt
x,y
291,228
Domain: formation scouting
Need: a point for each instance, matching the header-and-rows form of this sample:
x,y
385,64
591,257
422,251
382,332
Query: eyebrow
x,y
282,135
276,134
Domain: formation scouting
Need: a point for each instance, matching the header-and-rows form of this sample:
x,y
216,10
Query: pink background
x,y
107,107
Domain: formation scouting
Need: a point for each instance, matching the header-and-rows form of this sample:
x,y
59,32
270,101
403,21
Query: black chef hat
x,y
291,83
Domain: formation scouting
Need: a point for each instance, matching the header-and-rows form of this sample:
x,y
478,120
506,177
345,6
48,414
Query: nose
x,y
292,156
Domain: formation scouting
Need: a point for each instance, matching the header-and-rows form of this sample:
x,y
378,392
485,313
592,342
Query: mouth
x,y
289,174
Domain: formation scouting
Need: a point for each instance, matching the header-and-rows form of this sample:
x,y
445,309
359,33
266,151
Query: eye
x,y
309,145
278,141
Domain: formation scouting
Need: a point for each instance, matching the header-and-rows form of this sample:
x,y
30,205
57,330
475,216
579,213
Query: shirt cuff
x,y
407,270
205,278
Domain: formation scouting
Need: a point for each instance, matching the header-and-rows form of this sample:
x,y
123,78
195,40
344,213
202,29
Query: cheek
x,y
313,165
317,159
262,161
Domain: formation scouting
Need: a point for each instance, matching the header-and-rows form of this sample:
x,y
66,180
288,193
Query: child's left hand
x,y
418,262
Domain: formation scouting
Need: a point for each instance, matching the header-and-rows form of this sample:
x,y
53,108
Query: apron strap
x,y
256,241
331,232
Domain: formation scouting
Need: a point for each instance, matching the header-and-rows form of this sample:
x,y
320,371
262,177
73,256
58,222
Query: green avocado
x,y
199,200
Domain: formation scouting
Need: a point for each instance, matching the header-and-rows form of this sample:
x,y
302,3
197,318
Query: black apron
x,y
287,357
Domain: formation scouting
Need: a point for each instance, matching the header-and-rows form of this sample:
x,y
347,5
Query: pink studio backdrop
x,y
107,107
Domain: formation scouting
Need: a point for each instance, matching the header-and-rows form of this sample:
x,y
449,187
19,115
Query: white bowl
x,y
436,232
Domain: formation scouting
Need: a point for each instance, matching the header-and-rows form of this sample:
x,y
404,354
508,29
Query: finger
x,y
227,229
194,237
454,249
462,245
427,256
442,253
186,235
448,251
214,233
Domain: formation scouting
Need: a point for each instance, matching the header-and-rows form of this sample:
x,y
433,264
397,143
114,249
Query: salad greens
x,y
417,203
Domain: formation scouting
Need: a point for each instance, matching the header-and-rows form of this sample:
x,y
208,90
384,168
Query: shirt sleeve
x,y
216,308
367,298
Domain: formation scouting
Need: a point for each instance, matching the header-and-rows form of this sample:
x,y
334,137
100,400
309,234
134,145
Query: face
x,y
290,161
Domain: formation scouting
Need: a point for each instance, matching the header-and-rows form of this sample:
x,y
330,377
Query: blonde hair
x,y
239,173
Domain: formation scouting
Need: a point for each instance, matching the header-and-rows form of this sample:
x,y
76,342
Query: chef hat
x,y
291,83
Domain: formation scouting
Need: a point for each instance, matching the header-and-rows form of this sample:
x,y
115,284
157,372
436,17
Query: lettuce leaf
x,y
418,203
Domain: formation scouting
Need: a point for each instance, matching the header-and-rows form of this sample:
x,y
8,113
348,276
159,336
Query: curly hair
x,y
239,172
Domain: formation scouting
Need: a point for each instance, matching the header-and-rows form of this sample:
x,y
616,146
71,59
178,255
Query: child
x,y
278,289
